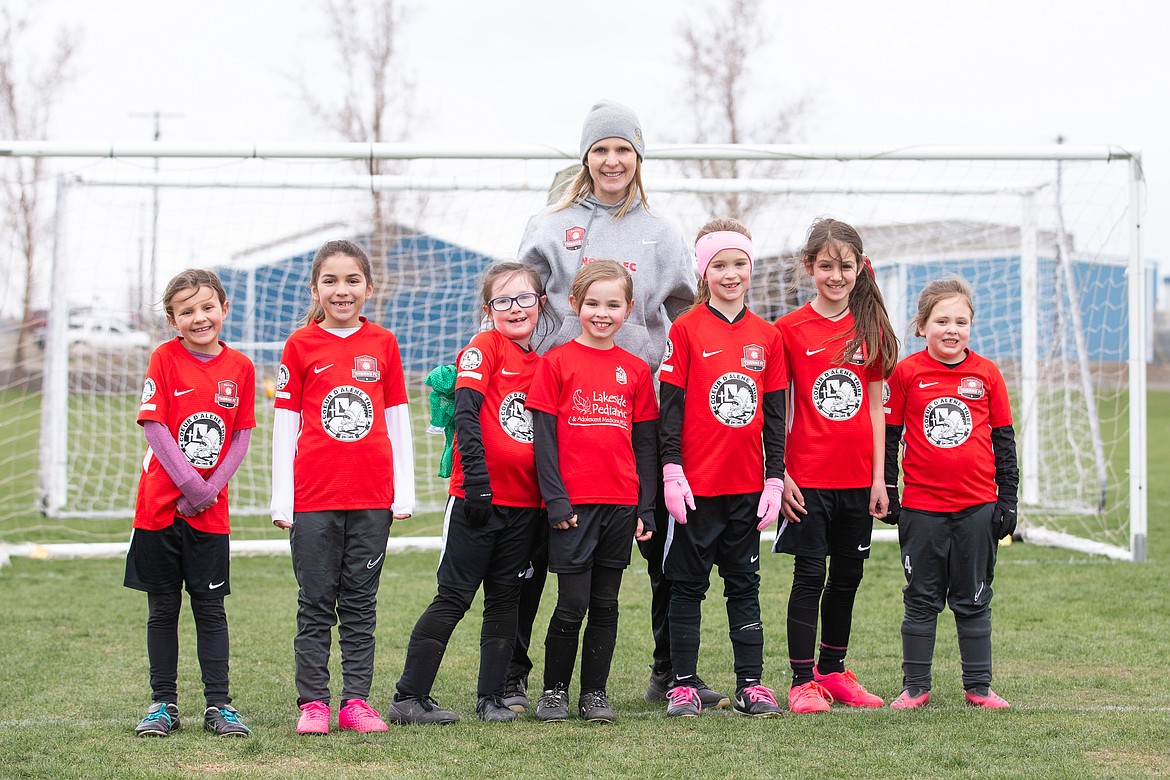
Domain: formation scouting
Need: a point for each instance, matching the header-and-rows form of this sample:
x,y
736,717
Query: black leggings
x,y
593,592
834,600
428,641
162,646
742,593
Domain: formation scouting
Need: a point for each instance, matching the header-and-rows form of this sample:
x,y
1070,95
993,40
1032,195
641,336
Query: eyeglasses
x,y
523,300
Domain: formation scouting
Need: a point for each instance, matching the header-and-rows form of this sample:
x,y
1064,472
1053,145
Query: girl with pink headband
x,y
721,435
838,348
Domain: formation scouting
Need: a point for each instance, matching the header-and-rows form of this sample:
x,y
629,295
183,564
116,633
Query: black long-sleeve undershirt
x,y
670,415
469,436
644,437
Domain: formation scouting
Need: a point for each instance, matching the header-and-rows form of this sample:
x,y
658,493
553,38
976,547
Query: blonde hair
x,y
339,246
601,271
938,290
716,225
582,186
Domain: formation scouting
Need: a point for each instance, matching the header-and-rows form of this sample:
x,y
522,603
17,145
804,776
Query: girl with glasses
x,y
493,511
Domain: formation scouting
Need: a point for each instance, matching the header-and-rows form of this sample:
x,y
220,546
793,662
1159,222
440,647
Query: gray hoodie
x,y
558,243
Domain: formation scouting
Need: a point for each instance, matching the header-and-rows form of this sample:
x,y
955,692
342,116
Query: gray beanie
x,y
611,120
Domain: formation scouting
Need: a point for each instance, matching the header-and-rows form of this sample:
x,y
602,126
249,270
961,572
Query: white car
x,y
106,334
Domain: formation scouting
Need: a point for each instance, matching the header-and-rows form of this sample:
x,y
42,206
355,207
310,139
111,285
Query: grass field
x,y
1079,651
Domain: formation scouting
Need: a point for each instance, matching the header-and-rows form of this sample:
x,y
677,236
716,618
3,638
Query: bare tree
x,y
30,88
720,48
376,102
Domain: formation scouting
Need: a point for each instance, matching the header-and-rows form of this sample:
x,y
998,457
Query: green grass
x,y
1079,651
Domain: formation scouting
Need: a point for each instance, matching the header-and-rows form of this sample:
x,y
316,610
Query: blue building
x,y
427,288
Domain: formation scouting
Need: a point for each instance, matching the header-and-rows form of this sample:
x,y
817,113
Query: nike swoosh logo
x,y
184,392
863,549
322,368
374,562
754,559
811,352
506,372
644,241
214,585
927,384
709,354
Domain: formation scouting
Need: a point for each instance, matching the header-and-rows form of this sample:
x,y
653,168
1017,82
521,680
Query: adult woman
x,y
604,215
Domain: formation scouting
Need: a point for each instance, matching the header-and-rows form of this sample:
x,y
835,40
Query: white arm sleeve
x,y
286,427
402,443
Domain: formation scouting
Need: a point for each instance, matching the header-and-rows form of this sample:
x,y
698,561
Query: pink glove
x,y
677,491
770,500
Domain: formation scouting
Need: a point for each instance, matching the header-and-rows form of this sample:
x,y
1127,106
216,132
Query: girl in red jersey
x,y
838,349
595,421
198,412
494,508
722,445
958,423
342,471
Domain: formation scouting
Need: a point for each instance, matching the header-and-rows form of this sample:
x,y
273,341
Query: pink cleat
x,y
845,689
314,718
990,701
907,702
810,697
359,716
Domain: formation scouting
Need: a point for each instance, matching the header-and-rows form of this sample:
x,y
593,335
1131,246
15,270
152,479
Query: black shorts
x,y
161,561
498,551
719,530
604,536
838,523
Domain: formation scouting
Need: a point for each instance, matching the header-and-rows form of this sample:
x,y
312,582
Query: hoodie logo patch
x,y
574,238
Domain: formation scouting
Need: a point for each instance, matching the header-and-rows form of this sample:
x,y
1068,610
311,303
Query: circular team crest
x,y
885,393
281,377
148,389
470,360
201,437
515,419
946,422
669,350
347,413
837,394
734,399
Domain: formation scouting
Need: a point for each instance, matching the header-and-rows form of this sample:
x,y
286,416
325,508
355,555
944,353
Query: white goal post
x,y
1049,236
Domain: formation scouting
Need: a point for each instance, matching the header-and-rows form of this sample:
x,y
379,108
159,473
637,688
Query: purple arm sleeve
x,y
167,451
231,460
198,494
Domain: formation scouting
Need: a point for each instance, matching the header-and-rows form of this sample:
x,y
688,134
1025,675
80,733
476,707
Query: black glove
x,y
477,503
648,523
1004,516
894,511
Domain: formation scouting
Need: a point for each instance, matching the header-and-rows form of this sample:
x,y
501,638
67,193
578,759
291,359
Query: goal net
x,y
1047,237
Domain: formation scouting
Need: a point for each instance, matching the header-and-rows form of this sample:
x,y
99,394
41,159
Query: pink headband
x,y
713,243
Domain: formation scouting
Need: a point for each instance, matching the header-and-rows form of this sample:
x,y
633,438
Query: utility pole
x,y
152,273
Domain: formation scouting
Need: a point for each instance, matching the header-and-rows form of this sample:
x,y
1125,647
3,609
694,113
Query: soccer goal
x,y
1049,237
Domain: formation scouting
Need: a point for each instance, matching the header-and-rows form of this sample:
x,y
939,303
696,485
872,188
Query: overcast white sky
x,y
886,73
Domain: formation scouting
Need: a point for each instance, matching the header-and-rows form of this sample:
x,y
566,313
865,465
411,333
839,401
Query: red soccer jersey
x,y
202,404
948,413
597,395
341,387
497,368
725,369
830,436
